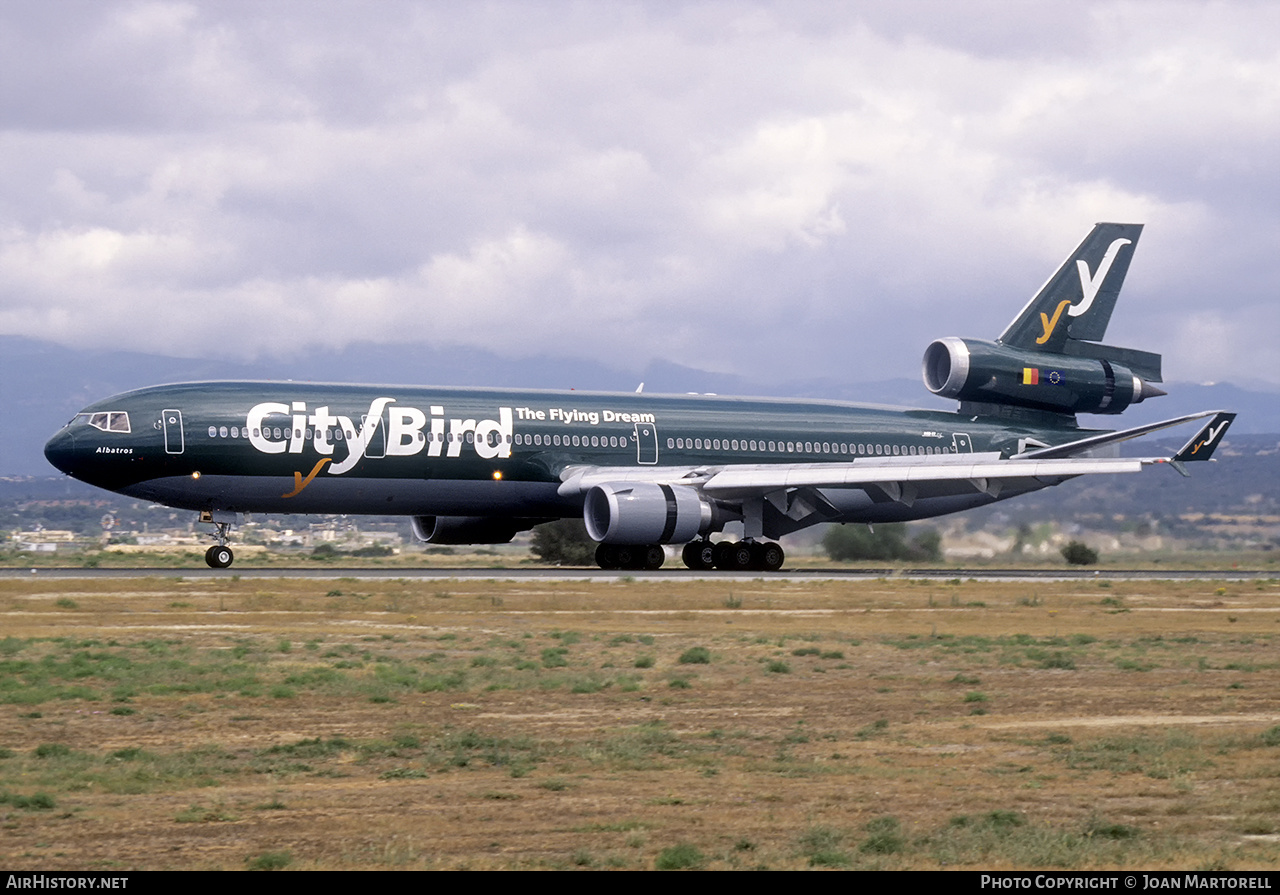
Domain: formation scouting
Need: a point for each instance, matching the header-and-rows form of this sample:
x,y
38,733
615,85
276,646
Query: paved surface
x,y
667,574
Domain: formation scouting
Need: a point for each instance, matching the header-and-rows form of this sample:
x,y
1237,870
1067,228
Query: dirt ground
x,y
163,723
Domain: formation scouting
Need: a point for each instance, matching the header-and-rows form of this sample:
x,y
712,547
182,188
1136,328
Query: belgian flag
x,y
1030,375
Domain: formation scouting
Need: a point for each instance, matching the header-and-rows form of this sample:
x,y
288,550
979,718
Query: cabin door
x,y
646,435
171,420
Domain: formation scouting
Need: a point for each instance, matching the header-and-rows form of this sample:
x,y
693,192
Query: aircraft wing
x,y
903,479
900,480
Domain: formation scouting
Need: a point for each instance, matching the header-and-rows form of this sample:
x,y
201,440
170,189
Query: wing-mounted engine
x,y
649,513
978,372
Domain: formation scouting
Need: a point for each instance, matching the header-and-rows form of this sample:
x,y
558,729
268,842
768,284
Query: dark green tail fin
x,y
1051,358
1076,303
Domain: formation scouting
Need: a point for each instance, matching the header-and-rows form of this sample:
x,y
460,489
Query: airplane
x,y
478,465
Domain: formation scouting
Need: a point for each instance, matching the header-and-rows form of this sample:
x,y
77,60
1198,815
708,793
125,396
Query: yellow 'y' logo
x,y
299,482
1051,325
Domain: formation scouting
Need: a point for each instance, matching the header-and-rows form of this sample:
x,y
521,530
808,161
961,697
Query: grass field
x,y
224,723
174,560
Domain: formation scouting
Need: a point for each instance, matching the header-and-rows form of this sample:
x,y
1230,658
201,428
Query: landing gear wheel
x,y
699,555
219,557
625,556
654,556
607,557
767,556
733,556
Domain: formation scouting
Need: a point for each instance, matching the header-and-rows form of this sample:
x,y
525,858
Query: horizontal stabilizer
x,y
1145,363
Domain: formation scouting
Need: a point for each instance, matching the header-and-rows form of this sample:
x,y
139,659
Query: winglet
x,y
1203,443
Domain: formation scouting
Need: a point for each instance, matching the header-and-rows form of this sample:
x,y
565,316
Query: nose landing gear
x,y
219,556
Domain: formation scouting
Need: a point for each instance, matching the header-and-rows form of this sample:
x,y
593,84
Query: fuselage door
x,y
646,435
961,443
171,420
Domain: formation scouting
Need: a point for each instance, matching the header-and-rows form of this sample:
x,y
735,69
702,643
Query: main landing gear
x,y
219,556
733,556
701,555
629,556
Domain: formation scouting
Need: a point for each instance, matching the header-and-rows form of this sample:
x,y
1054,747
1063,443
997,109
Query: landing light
x,y
195,475
497,475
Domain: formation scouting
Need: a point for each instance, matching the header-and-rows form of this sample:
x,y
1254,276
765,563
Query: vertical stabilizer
x,y
1077,302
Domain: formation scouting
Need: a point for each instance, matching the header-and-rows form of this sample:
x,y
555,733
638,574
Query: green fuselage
x,y
328,448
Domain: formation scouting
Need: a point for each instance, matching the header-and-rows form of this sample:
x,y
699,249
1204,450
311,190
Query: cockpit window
x,y
111,421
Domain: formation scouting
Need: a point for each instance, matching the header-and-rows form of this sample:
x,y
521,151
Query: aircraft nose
x,y
61,451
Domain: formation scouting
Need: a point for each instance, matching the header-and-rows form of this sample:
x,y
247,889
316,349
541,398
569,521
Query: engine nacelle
x,y
986,372
645,513
469,529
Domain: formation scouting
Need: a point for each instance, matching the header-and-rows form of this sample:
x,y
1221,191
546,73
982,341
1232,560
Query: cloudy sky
x,y
817,189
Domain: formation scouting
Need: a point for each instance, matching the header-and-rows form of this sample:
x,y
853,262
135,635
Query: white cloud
x,y
725,186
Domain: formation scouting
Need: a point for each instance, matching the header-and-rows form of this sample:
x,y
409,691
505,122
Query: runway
x,y
673,574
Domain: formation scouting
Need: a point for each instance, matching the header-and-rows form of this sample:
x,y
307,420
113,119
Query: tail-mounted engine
x,y
972,370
